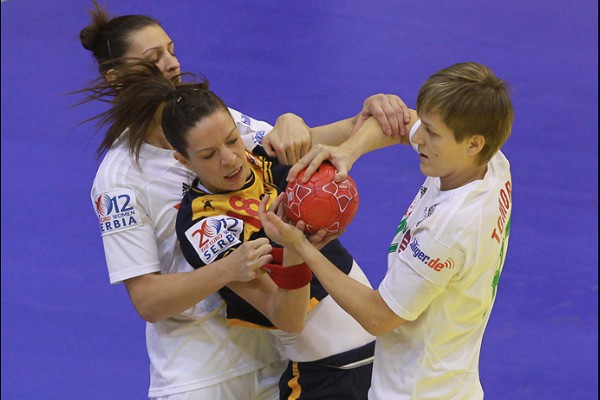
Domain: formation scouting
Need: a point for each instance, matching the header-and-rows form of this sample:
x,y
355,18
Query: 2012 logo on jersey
x,y
117,211
213,236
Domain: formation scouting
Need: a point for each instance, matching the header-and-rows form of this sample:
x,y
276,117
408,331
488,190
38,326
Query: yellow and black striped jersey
x,y
212,225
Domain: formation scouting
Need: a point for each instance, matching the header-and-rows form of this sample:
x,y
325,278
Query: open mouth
x,y
234,175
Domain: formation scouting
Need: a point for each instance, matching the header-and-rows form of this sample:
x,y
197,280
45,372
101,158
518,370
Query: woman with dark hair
x,y
331,357
136,193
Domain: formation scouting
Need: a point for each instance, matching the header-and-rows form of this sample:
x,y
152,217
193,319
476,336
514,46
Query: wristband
x,y
277,254
292,277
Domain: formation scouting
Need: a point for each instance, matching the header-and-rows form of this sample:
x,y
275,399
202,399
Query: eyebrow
x,y
228,137
157,48
428,126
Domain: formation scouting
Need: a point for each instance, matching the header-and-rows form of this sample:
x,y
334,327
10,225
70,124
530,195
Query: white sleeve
x,y
418,274
131,253
412,132
127,235
253,131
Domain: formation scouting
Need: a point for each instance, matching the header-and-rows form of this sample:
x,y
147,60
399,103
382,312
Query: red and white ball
x,y
321,202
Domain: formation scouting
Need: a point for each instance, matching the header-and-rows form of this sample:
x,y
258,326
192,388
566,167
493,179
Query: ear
x,y
110,76
476,143
181,158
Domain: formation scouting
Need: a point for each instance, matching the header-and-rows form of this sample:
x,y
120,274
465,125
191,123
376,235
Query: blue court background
x,y
68,334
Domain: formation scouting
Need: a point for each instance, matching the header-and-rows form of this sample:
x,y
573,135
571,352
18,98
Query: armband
x,y
289,278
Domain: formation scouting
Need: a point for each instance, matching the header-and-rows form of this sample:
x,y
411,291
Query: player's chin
x,y
233,187
425,167
225,186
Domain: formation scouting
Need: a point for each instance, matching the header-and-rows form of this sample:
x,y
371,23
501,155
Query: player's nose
x,y
228,157
417,138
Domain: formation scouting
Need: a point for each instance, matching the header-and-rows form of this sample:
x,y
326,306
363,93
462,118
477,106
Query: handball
x,y
321,202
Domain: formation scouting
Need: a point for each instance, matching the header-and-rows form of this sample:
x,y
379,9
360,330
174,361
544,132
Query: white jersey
x,y
137,209
443,269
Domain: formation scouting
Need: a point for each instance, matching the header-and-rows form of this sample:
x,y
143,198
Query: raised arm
x,y
291,138
367,138
389,110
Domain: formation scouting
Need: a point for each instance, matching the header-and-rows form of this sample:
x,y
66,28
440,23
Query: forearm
x,y
370,137
364,304
157,297
333,134
360,301
289,308
286,309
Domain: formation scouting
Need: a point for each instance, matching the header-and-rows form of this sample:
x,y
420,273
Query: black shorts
x,y
331,378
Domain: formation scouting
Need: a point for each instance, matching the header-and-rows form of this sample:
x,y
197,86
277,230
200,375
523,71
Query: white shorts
x,y
258,385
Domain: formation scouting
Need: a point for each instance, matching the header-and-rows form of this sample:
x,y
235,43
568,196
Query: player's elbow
x,y
146,308
291,326
379,324
149,317
142,294
290,322
148,313
375,329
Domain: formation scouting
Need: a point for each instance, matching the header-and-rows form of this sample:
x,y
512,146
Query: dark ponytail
x,y
107,36
136,91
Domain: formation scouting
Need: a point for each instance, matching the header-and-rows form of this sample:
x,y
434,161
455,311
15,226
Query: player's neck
x,y
463,178
156,137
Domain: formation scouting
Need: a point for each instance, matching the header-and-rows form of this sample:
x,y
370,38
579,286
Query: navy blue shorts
x,y
344,376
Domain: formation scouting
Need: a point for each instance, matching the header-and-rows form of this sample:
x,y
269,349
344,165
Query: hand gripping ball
x,y
321,202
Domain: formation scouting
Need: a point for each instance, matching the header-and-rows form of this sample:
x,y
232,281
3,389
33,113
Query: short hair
x,y
471,100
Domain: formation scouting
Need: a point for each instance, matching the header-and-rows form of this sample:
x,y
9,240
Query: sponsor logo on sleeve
x,y
213,236
117,211
434,263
